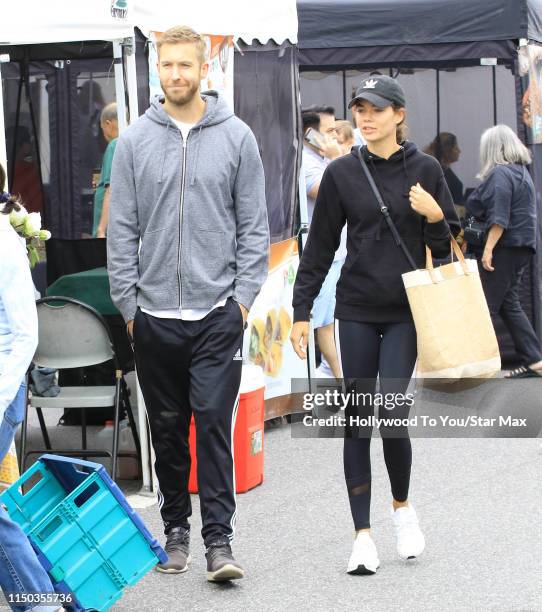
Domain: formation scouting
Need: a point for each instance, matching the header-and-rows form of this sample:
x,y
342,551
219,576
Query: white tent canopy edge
x,y
243,19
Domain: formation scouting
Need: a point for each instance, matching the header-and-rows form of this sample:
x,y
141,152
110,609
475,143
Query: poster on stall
x,y
530,73
220,57
267,339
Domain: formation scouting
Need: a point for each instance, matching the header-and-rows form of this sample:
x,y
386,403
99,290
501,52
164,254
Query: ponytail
x,y
402,128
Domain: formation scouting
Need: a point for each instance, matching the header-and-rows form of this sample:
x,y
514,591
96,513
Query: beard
x,y
181,97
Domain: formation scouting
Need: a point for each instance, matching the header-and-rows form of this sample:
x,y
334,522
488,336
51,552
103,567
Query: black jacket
x,y
507,198
370,287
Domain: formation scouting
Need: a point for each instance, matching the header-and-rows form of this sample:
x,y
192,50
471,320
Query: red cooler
x,y
247,437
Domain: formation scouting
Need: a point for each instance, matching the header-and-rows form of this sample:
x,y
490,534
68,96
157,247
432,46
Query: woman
x,y
506,203
446,150
20,571
374,330
344,135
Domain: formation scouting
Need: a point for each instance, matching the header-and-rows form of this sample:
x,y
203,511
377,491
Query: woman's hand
x,y
424,204
300,338
487,260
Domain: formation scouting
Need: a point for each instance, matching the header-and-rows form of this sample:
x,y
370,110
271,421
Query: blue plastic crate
x,y
83,530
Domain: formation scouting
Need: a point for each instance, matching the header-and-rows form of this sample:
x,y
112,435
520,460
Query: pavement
x,y
479,502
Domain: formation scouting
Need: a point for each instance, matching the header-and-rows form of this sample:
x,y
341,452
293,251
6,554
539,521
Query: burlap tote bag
x,y
456,338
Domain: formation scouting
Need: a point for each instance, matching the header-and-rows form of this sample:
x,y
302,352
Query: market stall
x,y
458,63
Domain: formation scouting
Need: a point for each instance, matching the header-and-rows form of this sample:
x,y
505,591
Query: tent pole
x,y
494,69
34,126
131,78
344,94
304,231
11,177
3,153
149,486
119,85
438,101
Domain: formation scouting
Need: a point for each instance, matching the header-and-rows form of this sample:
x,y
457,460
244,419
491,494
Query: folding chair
x,y
73,335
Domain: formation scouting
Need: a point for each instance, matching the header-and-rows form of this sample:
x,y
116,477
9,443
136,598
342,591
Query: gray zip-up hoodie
x,y
197,206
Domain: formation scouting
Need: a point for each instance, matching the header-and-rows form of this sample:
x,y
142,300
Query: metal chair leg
x,y
43,428
22,450
131,419
84,428
116,427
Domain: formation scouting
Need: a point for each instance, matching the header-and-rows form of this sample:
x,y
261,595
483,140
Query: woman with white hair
x,y
506,203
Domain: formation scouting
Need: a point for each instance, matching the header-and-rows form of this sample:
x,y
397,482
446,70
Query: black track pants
x,y
368,350
185,367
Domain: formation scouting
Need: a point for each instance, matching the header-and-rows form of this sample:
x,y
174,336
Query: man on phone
x,y
319,148
188,182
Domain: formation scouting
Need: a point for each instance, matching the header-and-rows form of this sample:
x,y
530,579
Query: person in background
x,y
506,203
327,122
316,157
110,129
345,135
26,177
446,150
20,571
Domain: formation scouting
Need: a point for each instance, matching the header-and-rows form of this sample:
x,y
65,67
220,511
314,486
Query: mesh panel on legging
x,y
368,350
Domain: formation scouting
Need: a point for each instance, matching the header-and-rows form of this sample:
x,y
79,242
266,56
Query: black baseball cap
x,y
379,90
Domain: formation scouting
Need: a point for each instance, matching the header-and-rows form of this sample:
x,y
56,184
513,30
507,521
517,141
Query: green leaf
x,y
33,255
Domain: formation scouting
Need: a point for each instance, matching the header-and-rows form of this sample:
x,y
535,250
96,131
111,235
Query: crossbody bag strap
x,y
386,213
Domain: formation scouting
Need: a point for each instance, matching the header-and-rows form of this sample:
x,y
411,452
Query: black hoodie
x,y
370,287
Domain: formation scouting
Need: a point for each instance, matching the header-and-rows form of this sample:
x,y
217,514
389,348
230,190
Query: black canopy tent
x,y
343,33
404,35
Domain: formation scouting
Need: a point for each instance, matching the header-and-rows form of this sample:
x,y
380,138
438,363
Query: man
x,y
315,160
188,182
110,129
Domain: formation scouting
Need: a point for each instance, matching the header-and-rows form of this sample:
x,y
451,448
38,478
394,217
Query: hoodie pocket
x,y
155,261
206,256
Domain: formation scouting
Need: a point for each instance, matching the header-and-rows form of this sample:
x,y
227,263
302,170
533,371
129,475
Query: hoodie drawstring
x,y
195,169
375,174
163,163
407,185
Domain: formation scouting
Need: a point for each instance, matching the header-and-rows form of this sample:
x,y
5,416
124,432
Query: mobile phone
x,y
313,138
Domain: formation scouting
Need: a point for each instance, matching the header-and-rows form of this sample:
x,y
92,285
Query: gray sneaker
x,y
177,548
221,565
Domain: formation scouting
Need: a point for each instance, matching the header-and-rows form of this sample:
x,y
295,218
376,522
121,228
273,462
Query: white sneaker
x,y
410,540
364,558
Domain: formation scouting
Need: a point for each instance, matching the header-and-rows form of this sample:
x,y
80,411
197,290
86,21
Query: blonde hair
x,y
345,129
179,35
500,145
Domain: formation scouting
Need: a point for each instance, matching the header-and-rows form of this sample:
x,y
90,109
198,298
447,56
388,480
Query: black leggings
x,y
368,350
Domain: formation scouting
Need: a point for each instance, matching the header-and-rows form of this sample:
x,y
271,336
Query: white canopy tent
x,y
267,20
35,22
61,21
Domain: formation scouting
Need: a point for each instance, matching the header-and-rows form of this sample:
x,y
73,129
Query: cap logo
x,y
370,84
